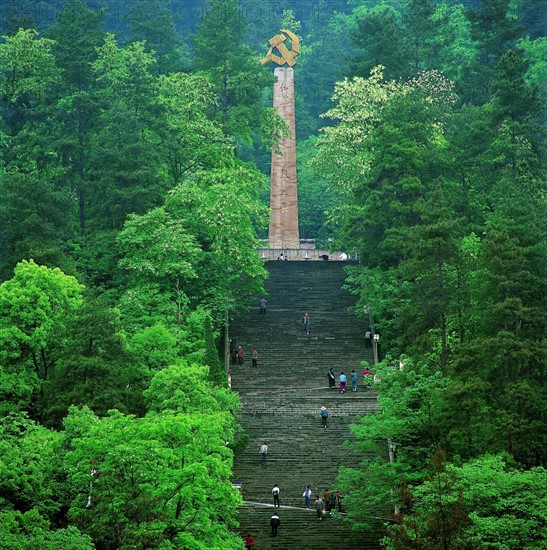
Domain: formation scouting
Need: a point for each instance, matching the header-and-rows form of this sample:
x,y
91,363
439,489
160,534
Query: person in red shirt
x,y
249,542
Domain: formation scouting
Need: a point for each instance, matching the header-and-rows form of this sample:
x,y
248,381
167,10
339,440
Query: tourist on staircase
x,y
306,323
274,523
262,451
353,380
319,507
332,502
249,542
342,380
275,493
254,357
307,496
263,303
324,416
332,378
240,355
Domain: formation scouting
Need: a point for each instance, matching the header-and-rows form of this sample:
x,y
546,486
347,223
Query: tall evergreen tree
x,y
216,370
233,68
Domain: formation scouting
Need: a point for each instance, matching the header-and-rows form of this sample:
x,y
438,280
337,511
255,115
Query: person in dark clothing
x,y
274,524
275,493
263,303
324,416
332,378
332,502
306,323
233,350
319,507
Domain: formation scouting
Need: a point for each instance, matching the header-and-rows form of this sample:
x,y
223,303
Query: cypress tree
x,y
216,371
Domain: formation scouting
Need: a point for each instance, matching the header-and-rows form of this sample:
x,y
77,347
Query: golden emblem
x,y
287,56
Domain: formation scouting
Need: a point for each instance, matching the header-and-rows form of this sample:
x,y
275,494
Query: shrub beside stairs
x,y
281,400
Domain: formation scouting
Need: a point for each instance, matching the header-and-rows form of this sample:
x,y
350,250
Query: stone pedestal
x,y
283,233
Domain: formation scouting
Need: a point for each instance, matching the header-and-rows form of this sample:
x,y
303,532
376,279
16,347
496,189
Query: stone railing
x,y
303,254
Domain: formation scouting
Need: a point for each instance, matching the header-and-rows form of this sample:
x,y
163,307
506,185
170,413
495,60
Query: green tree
x,y
95,367
27,530
37,213
36,303
152,22
27,76
155,347
233,68
198,261
78,33
30,467
216,370
185,388
481,504
496,30
162,481
373,38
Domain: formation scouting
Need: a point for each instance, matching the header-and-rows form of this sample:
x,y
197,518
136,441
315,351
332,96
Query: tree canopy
x,y
135,139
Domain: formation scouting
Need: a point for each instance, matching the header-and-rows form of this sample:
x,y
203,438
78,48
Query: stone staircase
x,y
281,400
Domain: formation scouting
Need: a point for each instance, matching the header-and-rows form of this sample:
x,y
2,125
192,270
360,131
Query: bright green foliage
x,y
158,245
202,241
411,419
17,386
191,336
28,68
35,304
162,481
29,530
384,187
185,388
155,347
189,139
535,52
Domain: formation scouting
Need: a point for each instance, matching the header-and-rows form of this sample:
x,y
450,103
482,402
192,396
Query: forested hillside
x,y
135,139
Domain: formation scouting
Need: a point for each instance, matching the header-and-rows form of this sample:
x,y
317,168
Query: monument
x,y
283,232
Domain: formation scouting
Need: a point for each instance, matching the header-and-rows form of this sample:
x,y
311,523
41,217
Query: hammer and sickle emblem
x,y
287,56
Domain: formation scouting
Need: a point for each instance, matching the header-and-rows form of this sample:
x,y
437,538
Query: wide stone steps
x,y
301,530
282,397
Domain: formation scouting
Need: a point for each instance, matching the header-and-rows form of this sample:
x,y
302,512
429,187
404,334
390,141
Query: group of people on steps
x,y
331,499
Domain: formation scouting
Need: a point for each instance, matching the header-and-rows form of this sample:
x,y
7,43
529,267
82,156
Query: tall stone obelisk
x,y
283,233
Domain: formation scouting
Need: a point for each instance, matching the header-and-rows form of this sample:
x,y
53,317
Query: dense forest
x,y
135,139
